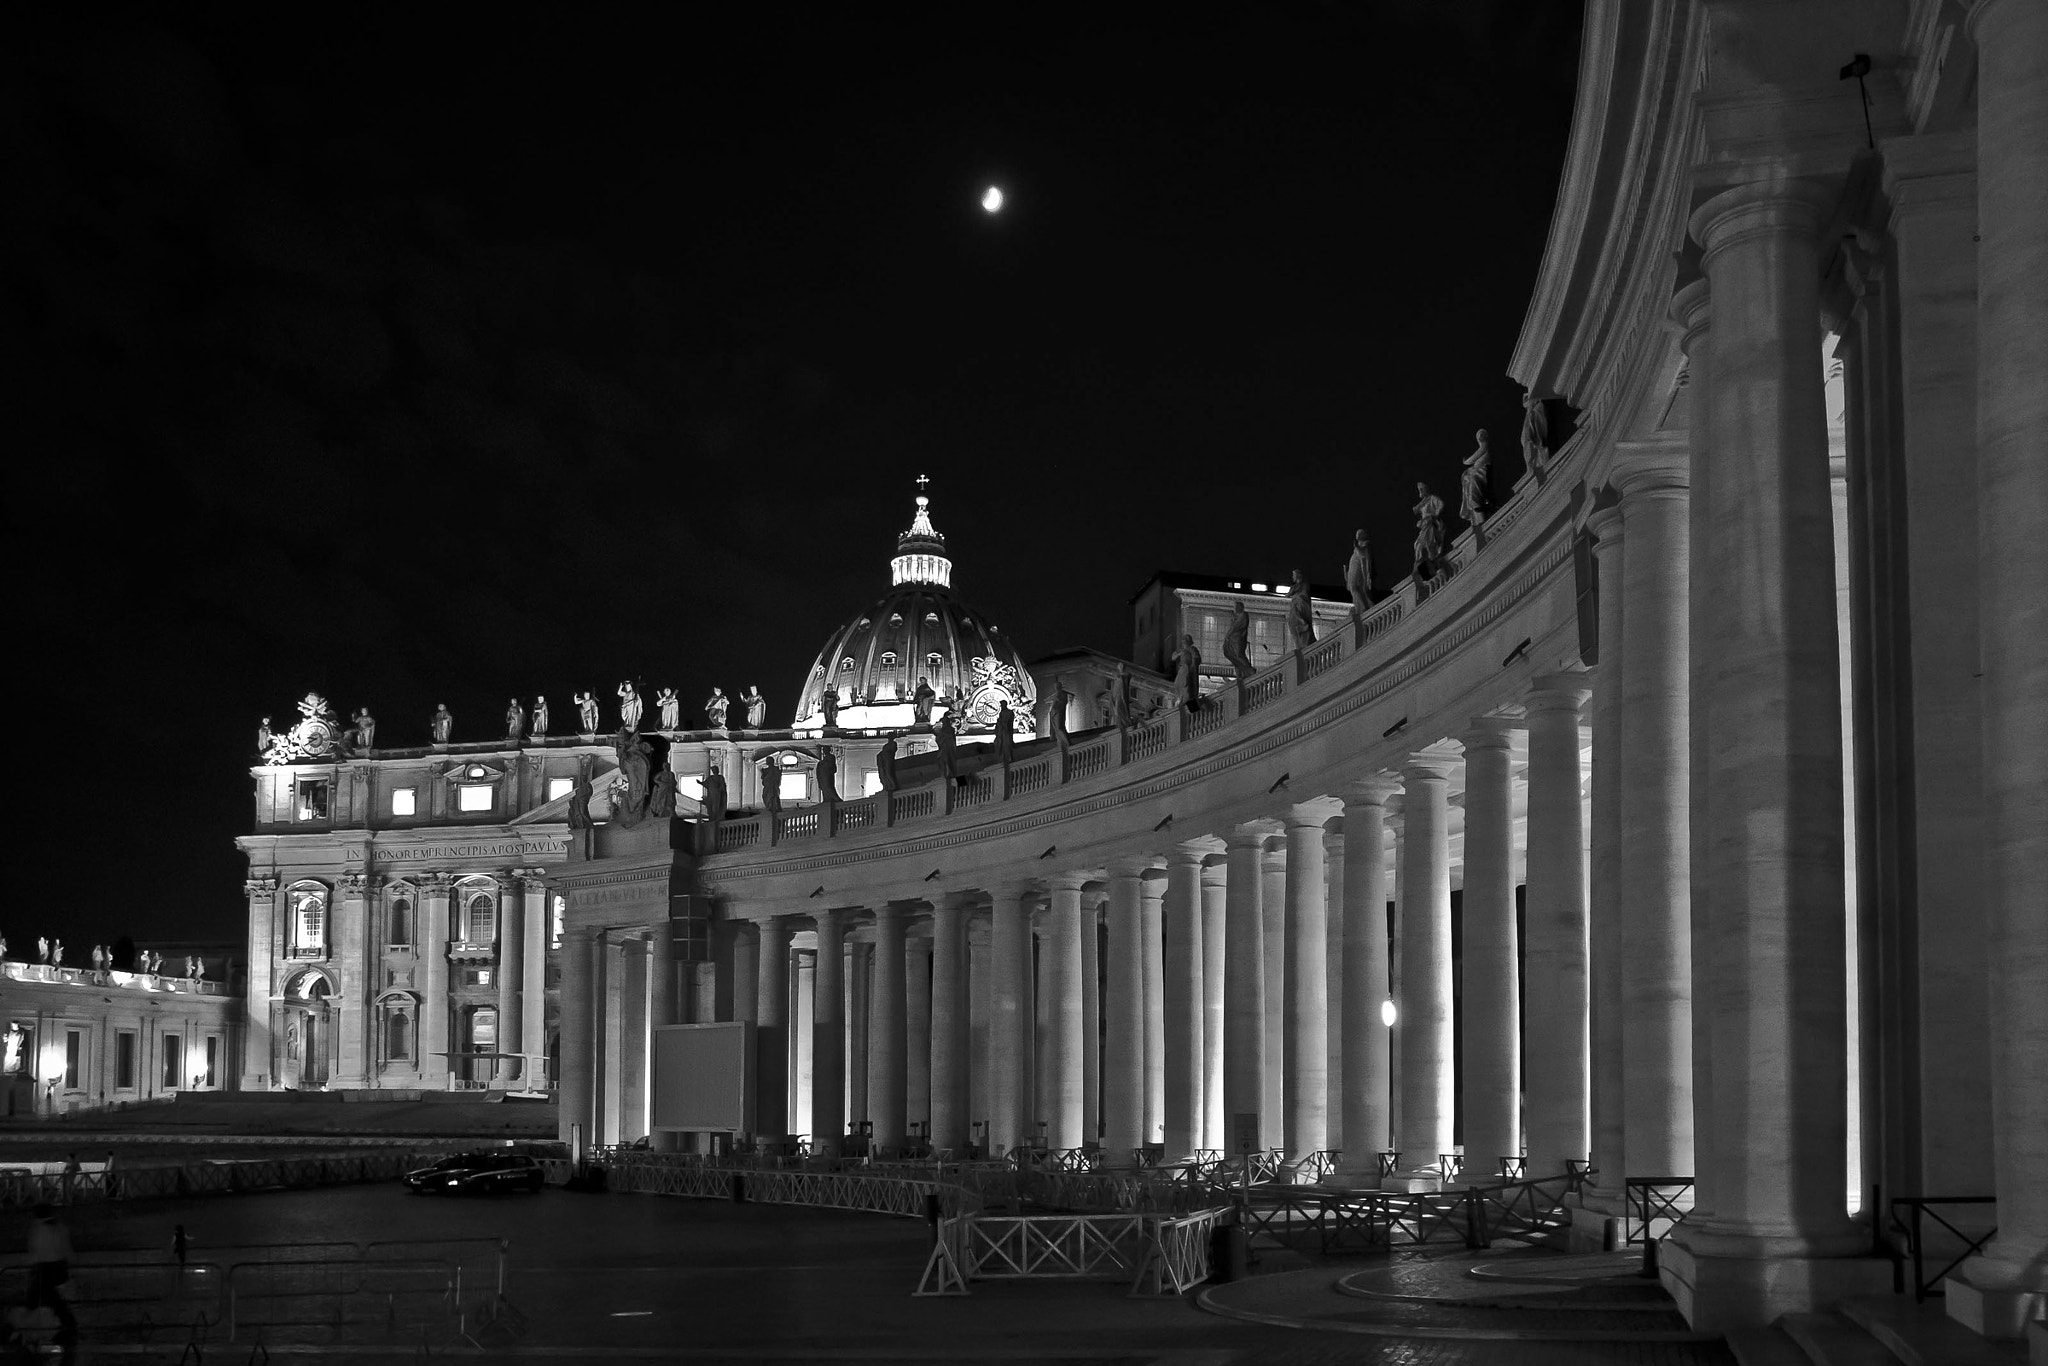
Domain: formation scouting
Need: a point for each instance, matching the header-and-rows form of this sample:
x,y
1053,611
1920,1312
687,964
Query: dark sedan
x,y
478,1174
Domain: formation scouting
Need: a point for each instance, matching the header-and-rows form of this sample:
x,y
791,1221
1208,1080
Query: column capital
x,y
1931,168
830,915
1217,872
1692,310
1315,812
1135,866
1564,691
1253,834
1643,469
1605,524
1066,882
259,886
1489,732
353,884
1429,766
1775,204
1370,791
1183,855
1010,889
962,899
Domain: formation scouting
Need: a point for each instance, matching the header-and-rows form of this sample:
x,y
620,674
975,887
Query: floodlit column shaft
x,y
1603,929
1774,787
1183,1072
888,1036
917,1034
1554,921
1492,1049
1273,937
1307,991
533,1025
1244,996
578,1081
771,1030
2012,553
828,1035
1152,919
950,1036
511,975
1009,1024
1091,1020
1368,1065
1214,908
433,941
1424,1028
1123,1008
1064,1074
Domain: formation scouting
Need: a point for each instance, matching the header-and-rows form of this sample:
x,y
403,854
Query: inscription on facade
x,y
430,853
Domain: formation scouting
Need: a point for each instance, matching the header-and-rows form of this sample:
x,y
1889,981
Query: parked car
x,y
478,1173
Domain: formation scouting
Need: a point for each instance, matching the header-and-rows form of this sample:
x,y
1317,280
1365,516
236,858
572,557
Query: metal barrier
x,y
1162,1255
1925,1286
1646,1199
22,1190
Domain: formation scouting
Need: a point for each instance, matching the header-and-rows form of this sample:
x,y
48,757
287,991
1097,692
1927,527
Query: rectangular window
x,y
124,1061
870,784
174,1063
560,787
405,801
561,909
74,1050
691,787
476,977
473,797
795,787
212,1057
311,803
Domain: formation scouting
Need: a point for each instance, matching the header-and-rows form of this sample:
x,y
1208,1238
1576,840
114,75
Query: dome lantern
x,y
921,551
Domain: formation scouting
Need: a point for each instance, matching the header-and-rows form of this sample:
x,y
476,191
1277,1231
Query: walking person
x,y
49,1257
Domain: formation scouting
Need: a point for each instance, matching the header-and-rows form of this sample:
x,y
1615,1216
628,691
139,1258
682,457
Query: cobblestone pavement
x,y
613,1278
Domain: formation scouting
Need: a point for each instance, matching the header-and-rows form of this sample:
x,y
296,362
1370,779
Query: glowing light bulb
x,y
1387,1013
992,200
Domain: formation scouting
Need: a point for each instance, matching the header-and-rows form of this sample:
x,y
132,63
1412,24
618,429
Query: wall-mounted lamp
x,y
1394,729
1387,1013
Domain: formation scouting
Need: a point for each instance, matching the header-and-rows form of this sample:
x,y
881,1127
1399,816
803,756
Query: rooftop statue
x,y
1535,433
671,709
198,968
42,948
828,776
757,707
1120,696
830,703
1301,612
885,764
540,718
714,794
579,799
586,712
443,724
1429,531
771,788
1006,733
714,708
629,706
947,740
1187,672
56,953
515,719
1358,573
921,702
1056,715
366,729
661,800
629,801
1237,641
263,736
1472,484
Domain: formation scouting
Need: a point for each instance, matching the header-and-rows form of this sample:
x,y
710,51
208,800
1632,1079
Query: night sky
x,y
444,355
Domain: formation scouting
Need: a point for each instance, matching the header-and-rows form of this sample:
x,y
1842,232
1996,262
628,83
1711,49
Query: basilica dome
x,y
918,630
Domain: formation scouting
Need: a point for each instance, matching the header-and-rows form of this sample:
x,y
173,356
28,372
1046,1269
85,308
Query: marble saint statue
x,y
757,707
1358,573
921,702
1472,483
1120,698
947,741
830,704
1056,717
56,953
634,755
198,969
586,712
828,776
1237,641
263,736
629,706
1187,672
771,789
715,708
885,764
714,794
443,724
1006,732
42,948
579,801
1301,612
661,801
671,708
540,718
366,729
1535,432
515,719
99,958
1429,531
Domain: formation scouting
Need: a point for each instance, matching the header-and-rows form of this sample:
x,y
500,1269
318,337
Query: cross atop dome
x,y
921,551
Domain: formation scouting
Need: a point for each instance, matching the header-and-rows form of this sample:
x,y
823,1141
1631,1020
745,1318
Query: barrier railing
x,y
20,1190
1925,1286
1163,1255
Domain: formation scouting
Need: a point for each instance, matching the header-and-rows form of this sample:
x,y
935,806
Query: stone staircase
x,y
1888,1330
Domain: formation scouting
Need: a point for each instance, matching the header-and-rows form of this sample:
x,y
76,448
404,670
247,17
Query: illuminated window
x,y
401,923
692,788
124,1061
846,665
934,659
174,1058
405,801
311,798
212,1059
483,919
932,617
888,659
74,1050
560,787
870,784
473,797
309,920
794,787
483,1030
476,977
561,911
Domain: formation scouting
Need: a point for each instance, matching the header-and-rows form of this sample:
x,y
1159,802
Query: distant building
x,y
1173,605
76,1038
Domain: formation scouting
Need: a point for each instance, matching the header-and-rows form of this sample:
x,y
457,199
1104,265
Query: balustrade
x,y
854,815
1320,657
1030,777
1089,760
1144,741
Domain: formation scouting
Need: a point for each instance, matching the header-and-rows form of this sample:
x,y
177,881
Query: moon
x,y
992,200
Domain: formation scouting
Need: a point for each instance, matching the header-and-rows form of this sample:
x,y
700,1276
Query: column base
x,y
1991,1311
1593,1230
1718,1293
1414,1182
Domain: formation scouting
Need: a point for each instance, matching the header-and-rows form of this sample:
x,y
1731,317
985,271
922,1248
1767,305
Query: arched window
x,y
888,659
846,665
483,1030
401,922
481,919
308,903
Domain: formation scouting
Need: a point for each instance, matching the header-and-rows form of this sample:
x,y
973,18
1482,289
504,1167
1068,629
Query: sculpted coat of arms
x,y
990,683
316,734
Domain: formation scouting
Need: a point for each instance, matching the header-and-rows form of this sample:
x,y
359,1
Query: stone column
x,y
1655,835
511,976
632,1034
1244,994
1042,988
1774,785
1214,904
1333,978
980,1067
1064,1073
1123,1008
887,1030
1183,996
771,1030
951,1039
1273,966
860,977
1492,1005
664,1007
264,905
1009,1019
1152,919
1428,1097
1604,904
576,1092
2012,557
828,1047
1305,989
1091,1018
350,937
1554,950
608,1030
1368,1064
803,1033
917,1031
433,942
533,983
